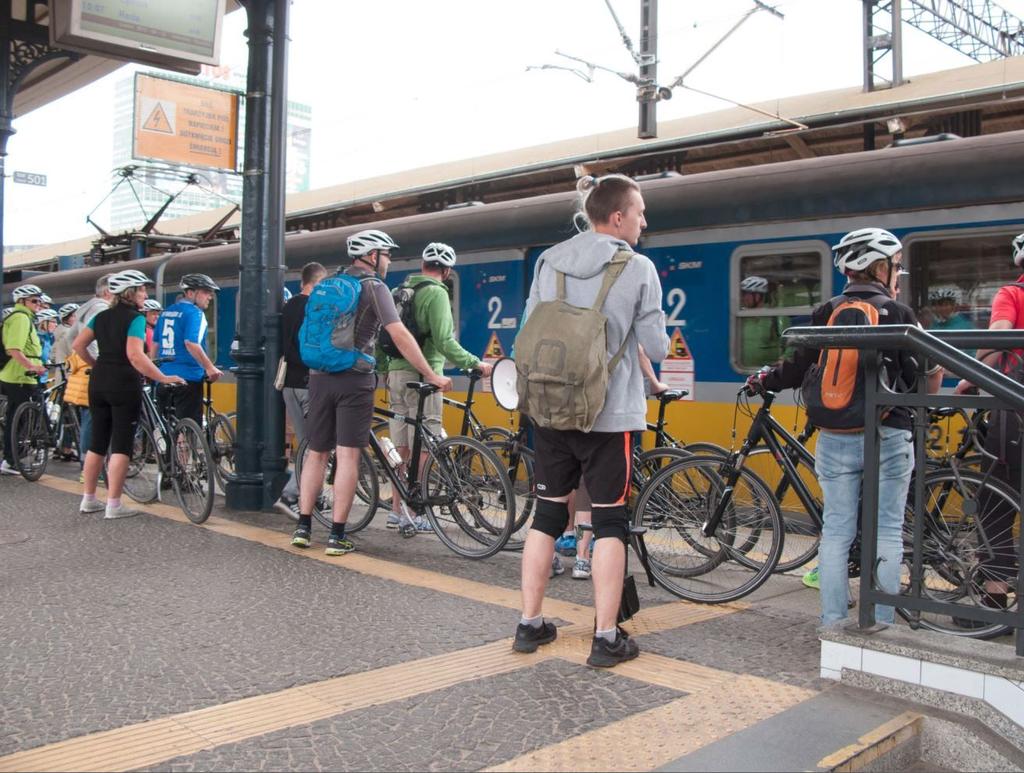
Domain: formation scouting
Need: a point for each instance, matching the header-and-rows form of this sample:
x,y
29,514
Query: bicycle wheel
x,y
367,490
518,463
142,481
30,436
468,496
959,545
495,434
673,507
706,449
222,446
803,535
192,474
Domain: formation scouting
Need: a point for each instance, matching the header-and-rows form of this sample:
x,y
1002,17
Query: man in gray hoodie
x,y
615,210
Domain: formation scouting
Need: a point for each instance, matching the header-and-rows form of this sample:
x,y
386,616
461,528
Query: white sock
x,y
533,622
88,499
113,504
608,636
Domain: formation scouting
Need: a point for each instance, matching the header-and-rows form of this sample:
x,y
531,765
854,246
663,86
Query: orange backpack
x,y
833,388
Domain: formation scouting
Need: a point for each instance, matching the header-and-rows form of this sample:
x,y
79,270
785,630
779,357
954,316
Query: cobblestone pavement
x,y
151,643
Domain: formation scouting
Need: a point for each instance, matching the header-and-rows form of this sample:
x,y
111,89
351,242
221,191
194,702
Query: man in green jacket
x,y
20,376
435,330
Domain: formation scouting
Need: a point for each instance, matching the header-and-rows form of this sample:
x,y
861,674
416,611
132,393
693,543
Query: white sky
x,y
399,84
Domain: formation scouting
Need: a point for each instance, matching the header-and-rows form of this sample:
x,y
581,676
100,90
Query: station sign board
x,y
182,35
181,123
30,178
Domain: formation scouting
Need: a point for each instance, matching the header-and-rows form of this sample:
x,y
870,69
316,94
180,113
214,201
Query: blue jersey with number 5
x,y
180,322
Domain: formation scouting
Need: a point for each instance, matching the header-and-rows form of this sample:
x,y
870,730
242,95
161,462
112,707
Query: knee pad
x,y
551,518
610,522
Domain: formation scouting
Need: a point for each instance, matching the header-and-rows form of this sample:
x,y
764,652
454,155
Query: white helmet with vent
x,y
66,309
859,249
27,291
150,304
46,315
1018,249
126,280
754,284
945,293
361,243
439,253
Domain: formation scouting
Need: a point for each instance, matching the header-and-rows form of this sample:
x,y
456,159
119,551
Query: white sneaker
x,y
118,512
6,469
581,569
92,507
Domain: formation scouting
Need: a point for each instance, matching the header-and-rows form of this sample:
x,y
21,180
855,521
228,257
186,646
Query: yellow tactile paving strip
x,y
654,738
719,702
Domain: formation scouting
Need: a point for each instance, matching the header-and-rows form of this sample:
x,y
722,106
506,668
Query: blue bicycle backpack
x,y
327,335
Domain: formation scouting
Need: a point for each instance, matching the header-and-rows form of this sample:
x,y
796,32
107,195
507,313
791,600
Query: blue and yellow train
x,y
956,204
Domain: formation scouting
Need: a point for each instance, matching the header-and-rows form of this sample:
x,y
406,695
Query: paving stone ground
x,y
110,624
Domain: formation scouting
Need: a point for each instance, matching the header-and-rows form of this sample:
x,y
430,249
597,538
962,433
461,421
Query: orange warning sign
x,y
158,120
677,348
185,124
494,349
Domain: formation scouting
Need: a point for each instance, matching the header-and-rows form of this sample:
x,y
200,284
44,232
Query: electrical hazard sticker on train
x,y
184,124
494,352
677,368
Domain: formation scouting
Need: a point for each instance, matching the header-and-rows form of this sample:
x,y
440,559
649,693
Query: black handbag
x,y
630,603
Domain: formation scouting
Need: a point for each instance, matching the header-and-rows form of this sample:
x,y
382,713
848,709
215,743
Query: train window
x,y
775,286
953,277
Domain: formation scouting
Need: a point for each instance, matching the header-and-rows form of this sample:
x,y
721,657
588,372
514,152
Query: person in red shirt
x,y
999,567
151,308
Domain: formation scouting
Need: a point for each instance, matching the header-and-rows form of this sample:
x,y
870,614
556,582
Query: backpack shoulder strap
x,y
613,270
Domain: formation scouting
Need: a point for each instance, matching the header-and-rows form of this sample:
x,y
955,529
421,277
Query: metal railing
x,y
938,348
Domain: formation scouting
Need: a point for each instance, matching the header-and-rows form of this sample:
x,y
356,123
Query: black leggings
x,y
115,417
16,394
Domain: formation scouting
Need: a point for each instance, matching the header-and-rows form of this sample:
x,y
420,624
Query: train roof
x,y
938,175
999,83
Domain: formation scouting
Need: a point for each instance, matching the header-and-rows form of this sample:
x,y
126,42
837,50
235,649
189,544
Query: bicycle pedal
x,y
407,531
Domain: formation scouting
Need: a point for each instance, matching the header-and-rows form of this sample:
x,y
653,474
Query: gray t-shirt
x,y
85,313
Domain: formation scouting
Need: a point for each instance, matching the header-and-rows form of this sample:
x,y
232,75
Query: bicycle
x,y
41,424
175,450
463,491
956,545
220,436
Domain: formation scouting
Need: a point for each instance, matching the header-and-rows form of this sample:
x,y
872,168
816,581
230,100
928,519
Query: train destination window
x,y
954,276
774,287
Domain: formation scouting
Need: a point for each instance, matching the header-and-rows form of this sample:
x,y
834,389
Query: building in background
x,y
132,206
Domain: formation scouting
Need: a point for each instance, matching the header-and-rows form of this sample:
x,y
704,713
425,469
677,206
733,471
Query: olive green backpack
x,y
562,357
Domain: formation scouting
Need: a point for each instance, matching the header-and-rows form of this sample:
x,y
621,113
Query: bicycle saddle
x,y
671,395
422,387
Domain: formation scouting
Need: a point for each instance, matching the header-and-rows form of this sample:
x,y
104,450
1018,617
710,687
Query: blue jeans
x,y
839,464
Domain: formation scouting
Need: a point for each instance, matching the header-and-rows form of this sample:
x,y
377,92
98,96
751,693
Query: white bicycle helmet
x,y
754,284
945,292
8,312
45,298
46,315
1018,250
126,280
363,242
859,249
151,305
440,254
66,309
27,291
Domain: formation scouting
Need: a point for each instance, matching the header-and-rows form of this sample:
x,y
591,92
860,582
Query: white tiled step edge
x,y
1004,695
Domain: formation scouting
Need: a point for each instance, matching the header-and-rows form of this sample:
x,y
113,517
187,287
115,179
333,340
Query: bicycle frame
x,y
766,428
408,489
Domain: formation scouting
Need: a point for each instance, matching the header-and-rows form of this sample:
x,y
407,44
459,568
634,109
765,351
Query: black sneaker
x,y
528,638
301,537
605,654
